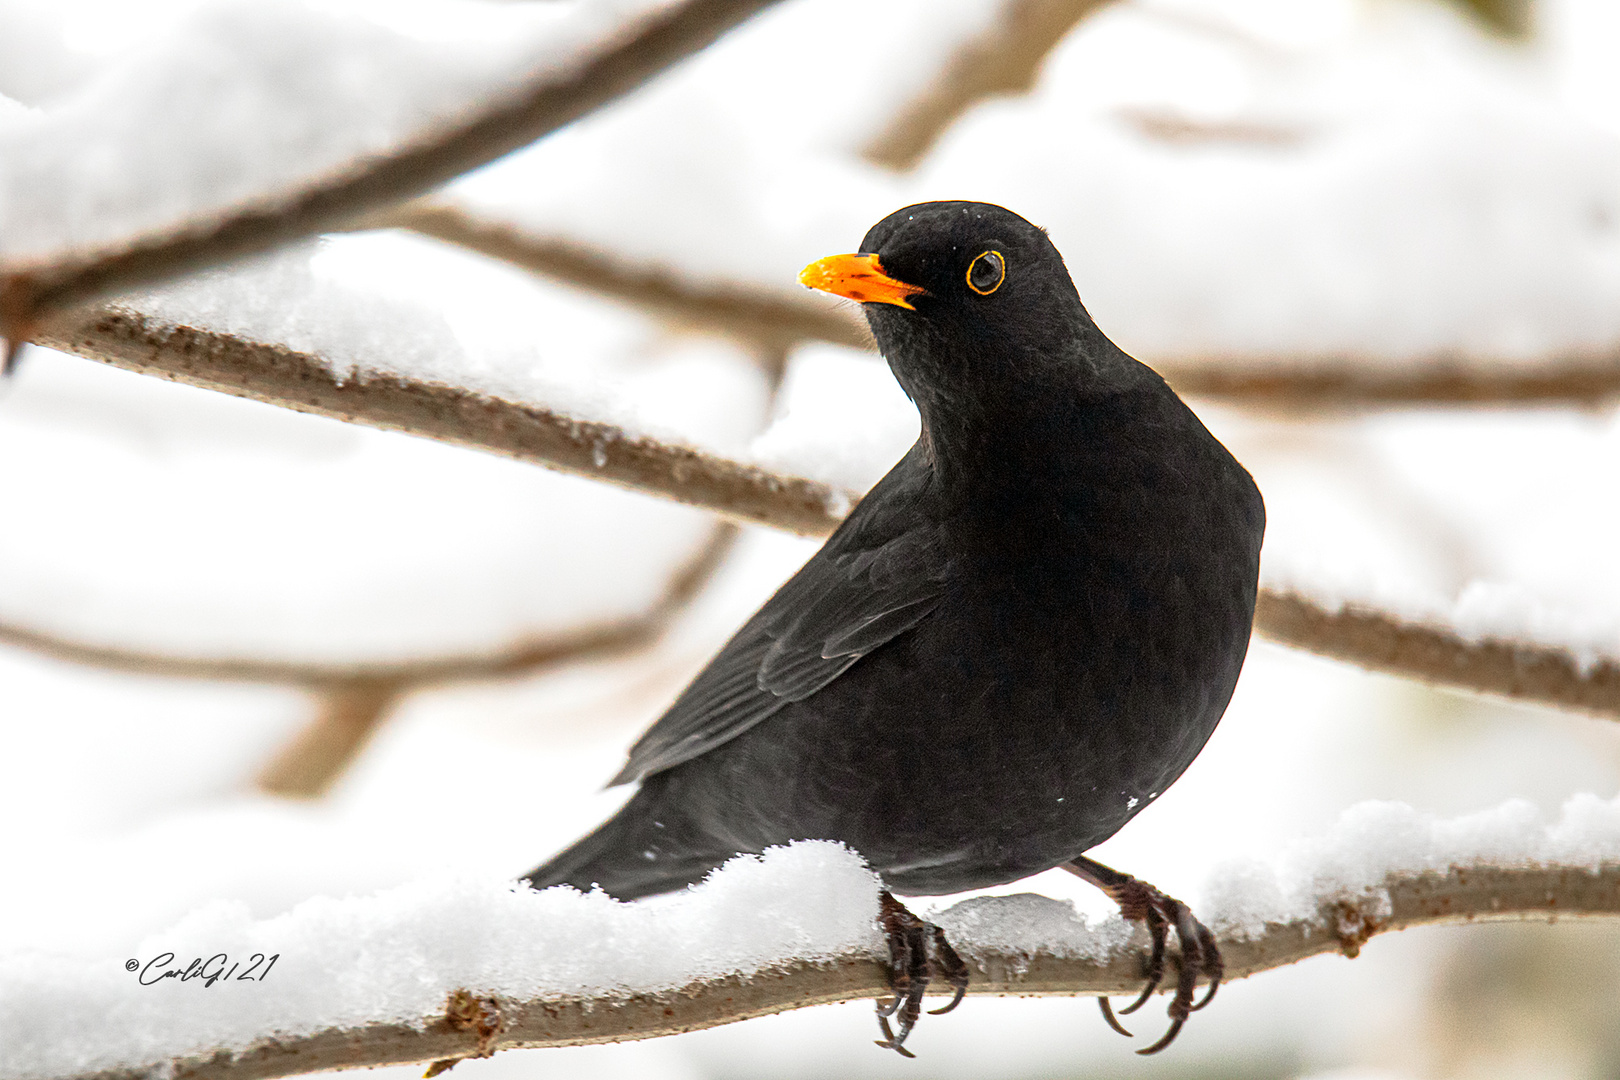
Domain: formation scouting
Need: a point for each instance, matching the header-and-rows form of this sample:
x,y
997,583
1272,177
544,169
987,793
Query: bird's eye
x,y
986,272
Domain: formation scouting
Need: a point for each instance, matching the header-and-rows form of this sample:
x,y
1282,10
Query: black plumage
x,y
1016,642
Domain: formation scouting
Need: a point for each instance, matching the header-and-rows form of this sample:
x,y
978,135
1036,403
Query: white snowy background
x,y
1384,179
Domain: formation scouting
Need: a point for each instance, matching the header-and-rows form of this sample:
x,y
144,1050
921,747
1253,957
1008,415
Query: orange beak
x,y
858,277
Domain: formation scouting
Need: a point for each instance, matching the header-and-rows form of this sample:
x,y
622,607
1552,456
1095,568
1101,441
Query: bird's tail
x,y
630,855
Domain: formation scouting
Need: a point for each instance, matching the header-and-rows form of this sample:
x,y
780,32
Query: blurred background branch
x,y
353,706
522,658
544,103
354,699
1380,641
774,320
779,319
1002,61
1510,18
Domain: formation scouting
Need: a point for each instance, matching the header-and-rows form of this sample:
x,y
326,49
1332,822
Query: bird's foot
x,y
1200,955
918,951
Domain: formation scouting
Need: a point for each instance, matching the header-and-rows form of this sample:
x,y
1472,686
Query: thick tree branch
x,y
450,414
1380,641
775,319
477,1027
545,103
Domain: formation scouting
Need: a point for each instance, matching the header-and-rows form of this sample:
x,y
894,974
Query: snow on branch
x,y
186,193
1440,655
769,938
527,432
1426,647
775,319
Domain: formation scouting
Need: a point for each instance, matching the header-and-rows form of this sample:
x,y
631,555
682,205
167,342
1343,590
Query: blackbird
x,y
1014,644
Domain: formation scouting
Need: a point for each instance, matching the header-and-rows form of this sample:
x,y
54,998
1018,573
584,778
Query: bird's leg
x,y
911,965
1140,902
908,970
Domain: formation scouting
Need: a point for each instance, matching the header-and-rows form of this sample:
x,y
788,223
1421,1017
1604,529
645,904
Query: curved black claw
x,y
1200,954
1214,964
912,964
952,968
1166,1039
1108,1015
1155,966
889,1042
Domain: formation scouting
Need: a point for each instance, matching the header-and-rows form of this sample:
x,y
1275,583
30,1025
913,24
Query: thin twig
x,y
1340,924
354,699
354,706
349,715
778,318
767,319
1584,379
1005,60
523,658
546,102
1380,641
1174,126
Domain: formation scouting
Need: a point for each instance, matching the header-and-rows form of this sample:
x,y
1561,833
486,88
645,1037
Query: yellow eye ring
x,y
986,272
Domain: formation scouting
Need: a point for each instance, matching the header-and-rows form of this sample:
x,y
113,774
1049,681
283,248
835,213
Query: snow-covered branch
x,y
1376,639
555,71
533,433
1381,641
474,1024
775,319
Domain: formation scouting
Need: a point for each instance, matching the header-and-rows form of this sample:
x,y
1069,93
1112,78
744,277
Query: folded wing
x,y
879,575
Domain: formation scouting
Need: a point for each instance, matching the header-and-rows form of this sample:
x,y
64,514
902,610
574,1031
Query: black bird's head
x,y
966,300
